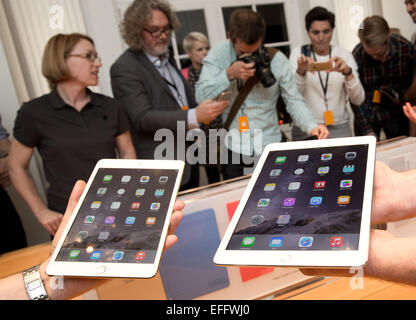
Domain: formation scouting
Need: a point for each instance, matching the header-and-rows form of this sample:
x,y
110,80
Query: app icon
x,y
89,219
257,219
270,187
155,206
248,242
348,168
163,179
275,173
276,242
345,184
344,200
150,221
159,192
350,155
144,179
82,235
95,204
135,206
299,171
120,192
118,255
319,185
140,192
289,202
323,170
326,157
107,178
115,205
74,254
109,220
263,203
283,219
294,186
95,255
102,191
140,256
305,242
336,242
103,236
130,220
303,158
315,201
125,179
280,160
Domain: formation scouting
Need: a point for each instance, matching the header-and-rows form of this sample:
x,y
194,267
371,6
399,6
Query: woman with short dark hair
x,y
326,92
72,127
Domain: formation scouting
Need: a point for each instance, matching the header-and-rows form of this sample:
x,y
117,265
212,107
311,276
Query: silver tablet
x,y
308,204
120,223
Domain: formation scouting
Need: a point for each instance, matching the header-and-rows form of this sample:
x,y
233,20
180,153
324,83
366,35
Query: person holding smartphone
x,y
326,92
71,127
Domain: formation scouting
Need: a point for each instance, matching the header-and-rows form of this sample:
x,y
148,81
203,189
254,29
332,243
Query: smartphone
x,y
320,66
119,226
226,95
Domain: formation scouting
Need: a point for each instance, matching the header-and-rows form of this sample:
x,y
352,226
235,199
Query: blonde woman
x,y
71,127
196,46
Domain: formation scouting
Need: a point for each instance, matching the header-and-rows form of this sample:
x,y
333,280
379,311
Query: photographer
x,y
240,58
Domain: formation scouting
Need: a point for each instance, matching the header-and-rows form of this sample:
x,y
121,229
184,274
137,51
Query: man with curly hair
x,y
152,90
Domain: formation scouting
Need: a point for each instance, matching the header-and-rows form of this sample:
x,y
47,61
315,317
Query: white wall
x,y
396,15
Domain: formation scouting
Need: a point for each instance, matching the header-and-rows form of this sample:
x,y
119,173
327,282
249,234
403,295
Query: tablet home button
x,y
286,258
101,270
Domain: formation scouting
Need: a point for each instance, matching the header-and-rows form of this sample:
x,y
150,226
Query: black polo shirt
x,y
70,142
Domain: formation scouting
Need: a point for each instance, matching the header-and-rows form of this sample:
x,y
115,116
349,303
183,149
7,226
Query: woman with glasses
x,y
72,127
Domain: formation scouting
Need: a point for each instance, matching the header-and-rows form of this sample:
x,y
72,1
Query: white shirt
x,y
339,89
168,72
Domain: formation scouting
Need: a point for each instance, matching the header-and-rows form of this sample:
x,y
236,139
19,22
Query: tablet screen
x,y
121,218
309,199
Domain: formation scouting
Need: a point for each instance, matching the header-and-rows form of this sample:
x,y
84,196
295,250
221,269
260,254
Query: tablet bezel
x,y
304,258
117,270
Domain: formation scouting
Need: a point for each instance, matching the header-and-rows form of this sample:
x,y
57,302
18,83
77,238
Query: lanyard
x,y
172,84
324,87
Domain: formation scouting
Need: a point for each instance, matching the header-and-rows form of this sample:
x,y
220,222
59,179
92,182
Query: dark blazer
x,y
149,103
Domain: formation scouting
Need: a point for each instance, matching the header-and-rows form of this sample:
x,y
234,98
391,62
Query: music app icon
x,y
336,242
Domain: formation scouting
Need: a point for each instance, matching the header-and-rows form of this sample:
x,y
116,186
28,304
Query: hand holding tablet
x,y
307,204
120,224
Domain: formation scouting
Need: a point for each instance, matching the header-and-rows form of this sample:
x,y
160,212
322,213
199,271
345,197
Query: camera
x,y
262,61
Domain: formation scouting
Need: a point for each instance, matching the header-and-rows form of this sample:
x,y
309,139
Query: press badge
x,y
329,118
377,96
243,123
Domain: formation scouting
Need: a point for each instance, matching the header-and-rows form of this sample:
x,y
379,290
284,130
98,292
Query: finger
x,y
170,241
178,206
174,221
73,200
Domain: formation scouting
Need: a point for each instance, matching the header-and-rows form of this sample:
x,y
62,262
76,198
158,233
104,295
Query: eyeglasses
x,y
89,56
158,33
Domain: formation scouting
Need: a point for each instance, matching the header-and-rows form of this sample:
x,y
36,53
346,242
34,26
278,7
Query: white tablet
x,y
308,204
120,223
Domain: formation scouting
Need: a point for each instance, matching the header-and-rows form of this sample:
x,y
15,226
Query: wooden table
x,y
326,289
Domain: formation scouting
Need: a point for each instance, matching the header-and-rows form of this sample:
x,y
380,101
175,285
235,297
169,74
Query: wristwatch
x,y
34,285
348,73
